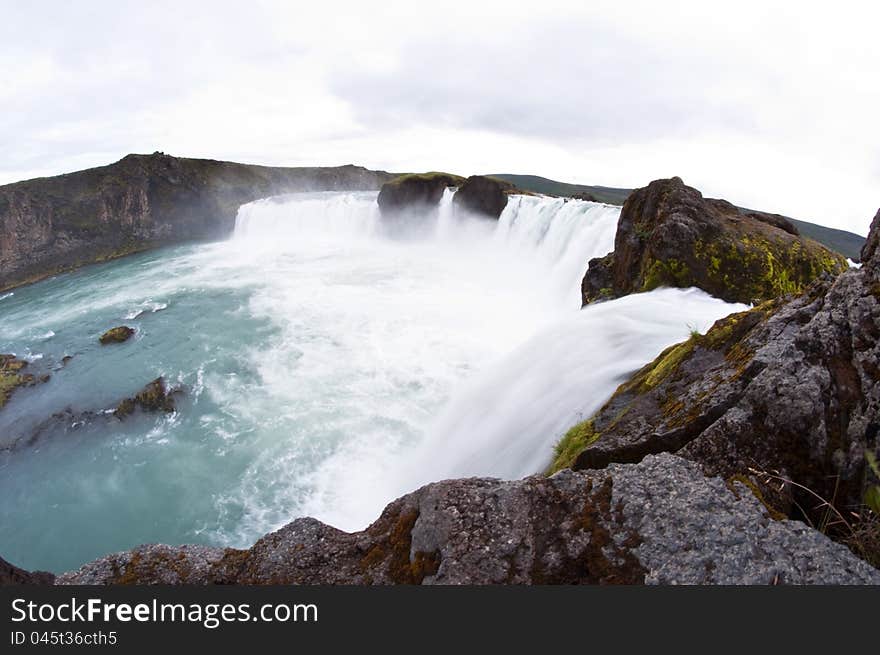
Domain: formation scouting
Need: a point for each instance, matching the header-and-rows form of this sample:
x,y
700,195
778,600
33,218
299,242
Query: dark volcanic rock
x,y
484,196
12,575
658,522
414,192
789,387
583,195
52,224
116,335
154,397
669,235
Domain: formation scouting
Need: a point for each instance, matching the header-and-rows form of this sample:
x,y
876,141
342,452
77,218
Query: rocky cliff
x,y
657,522
785,396
48,225
669,235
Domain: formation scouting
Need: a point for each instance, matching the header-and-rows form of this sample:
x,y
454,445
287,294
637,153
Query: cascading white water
x,y
331,363
557,364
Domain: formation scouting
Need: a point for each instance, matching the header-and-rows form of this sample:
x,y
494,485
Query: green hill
x,y
537,184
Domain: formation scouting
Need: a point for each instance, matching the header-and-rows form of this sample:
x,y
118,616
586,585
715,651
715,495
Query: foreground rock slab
x,y
657,522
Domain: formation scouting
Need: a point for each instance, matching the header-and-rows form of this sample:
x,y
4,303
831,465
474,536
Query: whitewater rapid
x,y
330,364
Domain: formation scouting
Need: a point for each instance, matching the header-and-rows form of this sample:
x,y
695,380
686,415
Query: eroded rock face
x,y
483,196
789,387
660,521
57,223
415,192
669,235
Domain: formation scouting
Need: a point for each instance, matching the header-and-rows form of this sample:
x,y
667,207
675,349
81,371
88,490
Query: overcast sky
x,y
770,107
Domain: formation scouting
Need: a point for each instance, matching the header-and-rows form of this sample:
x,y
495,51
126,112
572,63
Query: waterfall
x,y
555,364
331,365
320,215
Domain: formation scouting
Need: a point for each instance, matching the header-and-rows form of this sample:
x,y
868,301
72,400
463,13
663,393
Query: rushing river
x,y
328,366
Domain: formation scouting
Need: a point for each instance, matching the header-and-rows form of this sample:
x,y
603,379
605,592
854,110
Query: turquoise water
x,y
319,359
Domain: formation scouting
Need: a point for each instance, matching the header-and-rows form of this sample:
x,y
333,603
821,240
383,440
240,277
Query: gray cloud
x,y
767,106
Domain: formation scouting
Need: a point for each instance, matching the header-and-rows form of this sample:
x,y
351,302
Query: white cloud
x,y
769,105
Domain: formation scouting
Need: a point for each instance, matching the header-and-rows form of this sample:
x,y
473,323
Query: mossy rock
x,y
119,334
668,235
154,397
572,444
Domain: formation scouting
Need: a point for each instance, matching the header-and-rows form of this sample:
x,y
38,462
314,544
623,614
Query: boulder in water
x,y
154,397
669,235
414,192
484,196
116,335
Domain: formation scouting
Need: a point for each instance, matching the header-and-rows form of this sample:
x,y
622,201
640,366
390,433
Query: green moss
x,y
666,272
662,367
572,444
757,267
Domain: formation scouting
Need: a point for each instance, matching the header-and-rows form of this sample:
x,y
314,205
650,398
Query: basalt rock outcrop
x,y
657,522
414,192
483,196
52,224
669,235
785,395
